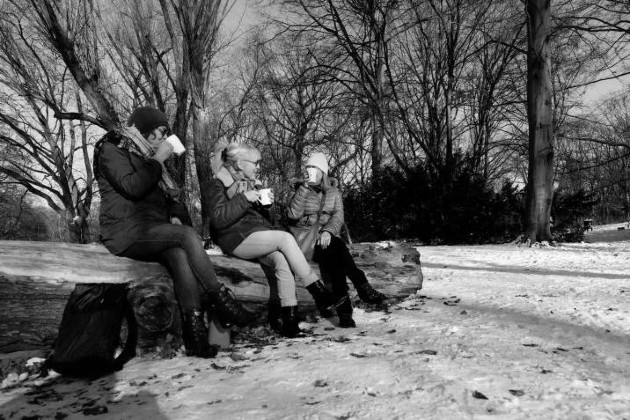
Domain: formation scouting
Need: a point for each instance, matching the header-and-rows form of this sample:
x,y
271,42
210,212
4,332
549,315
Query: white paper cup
x,y
178,147
265,200
311,174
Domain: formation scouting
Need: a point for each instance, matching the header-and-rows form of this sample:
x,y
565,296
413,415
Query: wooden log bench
x,y
36,279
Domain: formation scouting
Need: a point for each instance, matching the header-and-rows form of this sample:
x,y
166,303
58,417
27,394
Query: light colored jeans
x,y
278,249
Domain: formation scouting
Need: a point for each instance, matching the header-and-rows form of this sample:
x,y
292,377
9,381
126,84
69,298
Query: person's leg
x,y
194,330
338,251
287,311
157,239
265,242
184,281
274,315
283,276
331,267
338,255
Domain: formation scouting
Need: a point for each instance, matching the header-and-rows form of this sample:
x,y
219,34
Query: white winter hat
x,y
318,160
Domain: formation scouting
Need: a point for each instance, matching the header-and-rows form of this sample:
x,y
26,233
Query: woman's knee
x,y
279,262
189,236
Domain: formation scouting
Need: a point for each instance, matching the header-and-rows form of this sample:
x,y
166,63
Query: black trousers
x,y
180,249
336,264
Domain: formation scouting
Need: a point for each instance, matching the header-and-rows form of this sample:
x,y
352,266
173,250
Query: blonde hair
x,y
226,154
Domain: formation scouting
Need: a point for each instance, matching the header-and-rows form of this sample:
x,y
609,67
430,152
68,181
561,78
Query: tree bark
x,y
540,117
37,277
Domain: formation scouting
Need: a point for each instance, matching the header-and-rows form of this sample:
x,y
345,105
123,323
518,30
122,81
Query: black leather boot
x,y
290,327
274,316
368,295
195,335
229,311
324,300
344,312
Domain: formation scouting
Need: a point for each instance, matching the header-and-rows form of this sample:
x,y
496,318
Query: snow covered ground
x,y
499,331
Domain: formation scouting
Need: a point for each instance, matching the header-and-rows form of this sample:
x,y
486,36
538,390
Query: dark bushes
x,y
434,209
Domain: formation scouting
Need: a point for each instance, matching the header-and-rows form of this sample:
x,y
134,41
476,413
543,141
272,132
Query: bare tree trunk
x,y
540,114
62,37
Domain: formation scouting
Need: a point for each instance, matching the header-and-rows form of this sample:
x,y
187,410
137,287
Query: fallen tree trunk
x,y
37,277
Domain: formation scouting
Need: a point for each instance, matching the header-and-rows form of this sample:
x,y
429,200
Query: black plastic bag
x,y
90,330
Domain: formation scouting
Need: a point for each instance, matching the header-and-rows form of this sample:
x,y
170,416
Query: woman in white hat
x,y
317,206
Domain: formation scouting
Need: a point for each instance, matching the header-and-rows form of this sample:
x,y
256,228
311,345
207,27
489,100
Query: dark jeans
x,y
336,263
181,250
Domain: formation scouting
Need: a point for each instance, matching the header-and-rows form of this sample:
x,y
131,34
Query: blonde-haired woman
x,y
241,226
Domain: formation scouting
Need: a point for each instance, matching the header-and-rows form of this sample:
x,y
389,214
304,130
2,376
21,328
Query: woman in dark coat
x,y
241,227
140,219
317,202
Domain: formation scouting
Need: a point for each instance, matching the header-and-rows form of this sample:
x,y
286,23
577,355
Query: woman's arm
x,y
225,212
335,223
131,183
295,210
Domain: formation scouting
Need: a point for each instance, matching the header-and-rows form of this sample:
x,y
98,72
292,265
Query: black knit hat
x,y
147,118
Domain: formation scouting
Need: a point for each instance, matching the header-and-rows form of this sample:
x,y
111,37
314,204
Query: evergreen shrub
x,y
434,209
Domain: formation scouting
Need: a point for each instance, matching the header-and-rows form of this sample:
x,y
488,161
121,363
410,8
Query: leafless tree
x,y
36,91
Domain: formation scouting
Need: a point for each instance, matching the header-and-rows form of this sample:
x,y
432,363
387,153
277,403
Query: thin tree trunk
x,y
539,113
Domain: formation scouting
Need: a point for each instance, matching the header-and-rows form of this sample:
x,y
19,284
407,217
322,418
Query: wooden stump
x,y
37,277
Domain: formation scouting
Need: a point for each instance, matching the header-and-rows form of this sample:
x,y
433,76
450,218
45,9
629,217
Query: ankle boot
x,y
344,312
368,295
195,335
228,310
274,316
290,327
324,300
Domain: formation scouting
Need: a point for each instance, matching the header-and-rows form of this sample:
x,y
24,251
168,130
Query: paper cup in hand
x,y
265,200
178,147
311,175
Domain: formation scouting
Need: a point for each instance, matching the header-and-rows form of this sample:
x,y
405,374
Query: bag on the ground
x,y
90,330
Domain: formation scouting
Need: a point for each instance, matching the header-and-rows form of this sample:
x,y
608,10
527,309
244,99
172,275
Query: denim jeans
x,y
278,249
180,248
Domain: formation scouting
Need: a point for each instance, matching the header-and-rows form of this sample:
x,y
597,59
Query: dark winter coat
x,y
232,217
131,200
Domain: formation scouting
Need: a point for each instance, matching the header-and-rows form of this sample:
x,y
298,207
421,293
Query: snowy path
x,y
501,332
